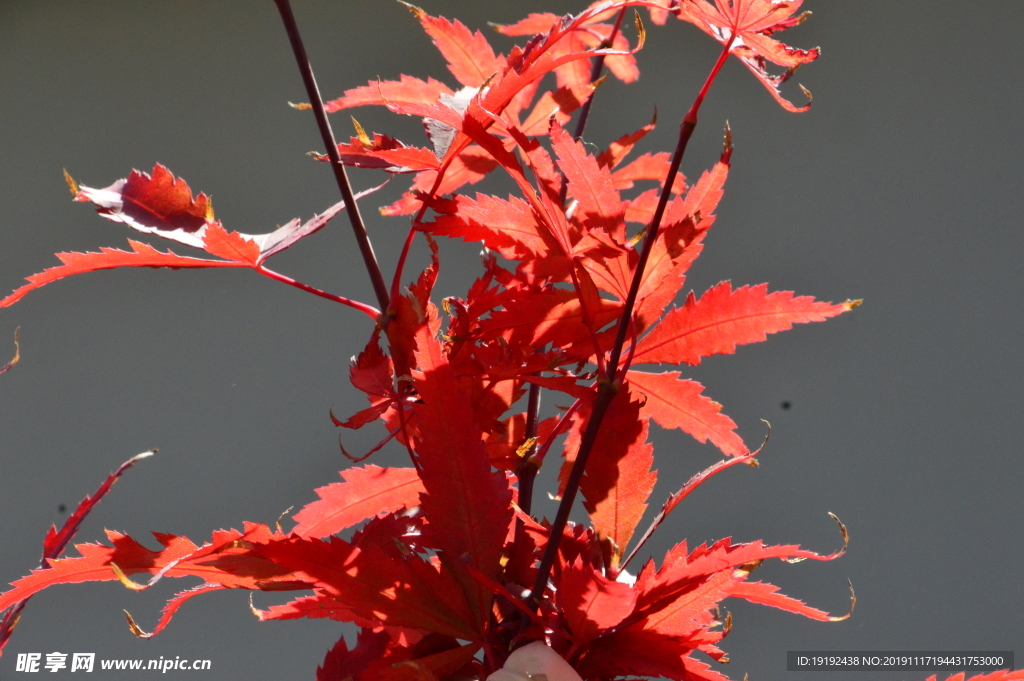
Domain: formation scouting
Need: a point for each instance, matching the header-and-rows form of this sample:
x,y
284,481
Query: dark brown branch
x,y
313,92
528,471
607,385
595,74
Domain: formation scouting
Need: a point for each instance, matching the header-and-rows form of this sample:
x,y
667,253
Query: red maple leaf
x,y
746,25
158,203
723,318
466,504
470,57
678,403
406,90
141,255
385,153
618,478
365,493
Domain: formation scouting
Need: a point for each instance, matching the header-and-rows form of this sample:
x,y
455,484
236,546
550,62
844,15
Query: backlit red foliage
x,y
582,272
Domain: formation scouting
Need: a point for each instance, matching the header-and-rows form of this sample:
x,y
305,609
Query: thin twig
x,y
527,471
313,92
607,386
595,73
685,131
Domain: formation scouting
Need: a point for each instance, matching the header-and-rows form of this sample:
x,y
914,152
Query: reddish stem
x,y
527,472
607,387
313,92
396,281
368,310
685,131
595,73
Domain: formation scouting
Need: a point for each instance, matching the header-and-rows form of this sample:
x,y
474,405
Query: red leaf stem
x,y
595,73
369,310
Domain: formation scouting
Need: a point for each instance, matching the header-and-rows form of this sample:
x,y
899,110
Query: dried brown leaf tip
x,y
17,353
72,185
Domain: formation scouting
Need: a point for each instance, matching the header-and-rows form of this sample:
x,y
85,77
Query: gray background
x,y
902,186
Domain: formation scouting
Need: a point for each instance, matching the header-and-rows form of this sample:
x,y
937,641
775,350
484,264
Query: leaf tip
x,y
801,18
144,455
853,603
254,610
843,531
850,304
526,448
17,353
354,459
301,106
72,185
364,139
416,11
807,94
135,628
278,523
123,578
641,32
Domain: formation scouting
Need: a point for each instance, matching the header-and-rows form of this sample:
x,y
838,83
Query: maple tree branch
x,y
351,207
595,73
369,310
686,129
606,392
607,387
527,470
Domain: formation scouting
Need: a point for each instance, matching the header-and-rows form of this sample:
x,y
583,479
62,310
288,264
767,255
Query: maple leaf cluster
x,y
446,572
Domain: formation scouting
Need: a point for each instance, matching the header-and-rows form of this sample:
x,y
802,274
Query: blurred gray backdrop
x,y
901,186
